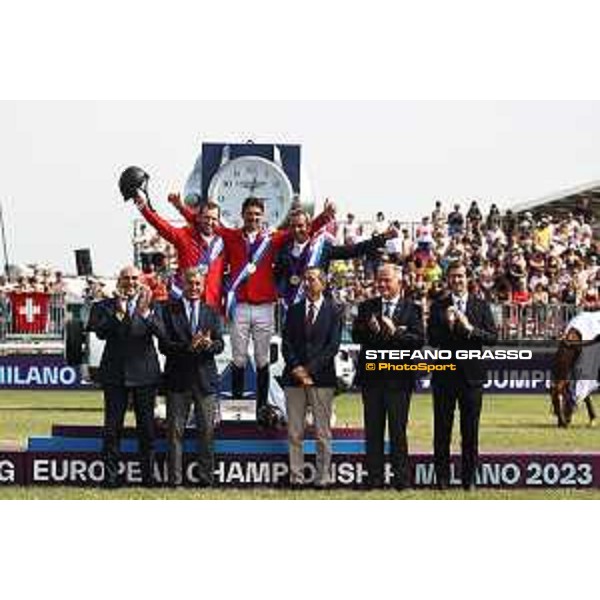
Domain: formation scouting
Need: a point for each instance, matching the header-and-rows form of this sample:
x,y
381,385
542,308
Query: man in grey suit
x,y
191,336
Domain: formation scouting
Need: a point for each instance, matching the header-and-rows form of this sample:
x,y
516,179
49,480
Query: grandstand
x,y
585,197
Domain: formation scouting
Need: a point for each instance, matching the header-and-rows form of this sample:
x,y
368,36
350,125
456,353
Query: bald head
x,y
129,280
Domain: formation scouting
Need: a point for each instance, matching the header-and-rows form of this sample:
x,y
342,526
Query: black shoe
x,y
469,487
400,483
442,485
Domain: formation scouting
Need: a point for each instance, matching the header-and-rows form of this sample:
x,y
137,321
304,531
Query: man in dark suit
x,y
311,339
129,368
387,323
191,336
459,321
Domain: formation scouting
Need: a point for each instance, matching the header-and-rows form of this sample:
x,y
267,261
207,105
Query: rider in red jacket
x,y
197,244
260,287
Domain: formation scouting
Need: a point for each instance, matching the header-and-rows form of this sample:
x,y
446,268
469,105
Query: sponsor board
x,y
44,371
504,471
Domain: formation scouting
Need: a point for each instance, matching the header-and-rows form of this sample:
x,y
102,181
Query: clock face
x,y
248,176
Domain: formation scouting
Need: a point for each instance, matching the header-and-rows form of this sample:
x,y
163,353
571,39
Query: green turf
x,y
509,423
24,414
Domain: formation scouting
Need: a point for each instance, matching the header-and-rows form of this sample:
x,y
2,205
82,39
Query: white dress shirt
x,y
297,248
460,302
207,238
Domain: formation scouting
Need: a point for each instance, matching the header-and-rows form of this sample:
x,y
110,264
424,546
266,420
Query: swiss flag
x,y
29,312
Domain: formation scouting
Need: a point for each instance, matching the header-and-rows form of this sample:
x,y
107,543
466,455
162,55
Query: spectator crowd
x,y
536,261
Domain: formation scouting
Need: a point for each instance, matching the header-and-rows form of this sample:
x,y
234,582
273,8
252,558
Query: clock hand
x,y
252,185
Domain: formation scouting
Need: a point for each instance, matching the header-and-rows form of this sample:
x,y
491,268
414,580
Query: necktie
x,y
193,317
310,318
387,309
130,307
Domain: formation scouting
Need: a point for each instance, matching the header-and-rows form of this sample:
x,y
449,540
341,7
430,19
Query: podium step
x,y
242,431
234,447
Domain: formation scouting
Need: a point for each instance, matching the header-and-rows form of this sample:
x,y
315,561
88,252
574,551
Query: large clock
x,y
246,176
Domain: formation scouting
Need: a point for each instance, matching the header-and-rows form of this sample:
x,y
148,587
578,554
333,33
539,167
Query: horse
x,y
564,392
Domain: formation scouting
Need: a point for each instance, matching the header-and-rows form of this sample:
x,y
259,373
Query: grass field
x,y
508,423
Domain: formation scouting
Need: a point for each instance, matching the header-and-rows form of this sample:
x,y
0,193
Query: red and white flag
x,y
29,311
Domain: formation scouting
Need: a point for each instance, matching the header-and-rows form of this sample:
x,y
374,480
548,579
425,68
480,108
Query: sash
x,y
314,259
206,258
176,289
249,268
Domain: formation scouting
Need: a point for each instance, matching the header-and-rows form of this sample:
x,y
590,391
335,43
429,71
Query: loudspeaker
x,y
83,260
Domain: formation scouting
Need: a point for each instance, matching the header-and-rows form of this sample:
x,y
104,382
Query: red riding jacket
x,y
191,246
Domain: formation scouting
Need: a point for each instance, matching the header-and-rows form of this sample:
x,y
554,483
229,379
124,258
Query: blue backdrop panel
x,y
212,153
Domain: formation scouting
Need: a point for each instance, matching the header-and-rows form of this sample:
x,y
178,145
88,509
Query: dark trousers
x,y
178,408
116,399
383,403
445,398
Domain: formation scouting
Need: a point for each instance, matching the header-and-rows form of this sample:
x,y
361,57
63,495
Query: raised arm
x,y
164,228
187,212
324,217
354,250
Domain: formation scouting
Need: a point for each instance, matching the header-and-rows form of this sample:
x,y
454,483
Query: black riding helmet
x,y
133,179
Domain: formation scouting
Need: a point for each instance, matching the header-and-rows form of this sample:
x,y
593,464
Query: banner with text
x,y
506,471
